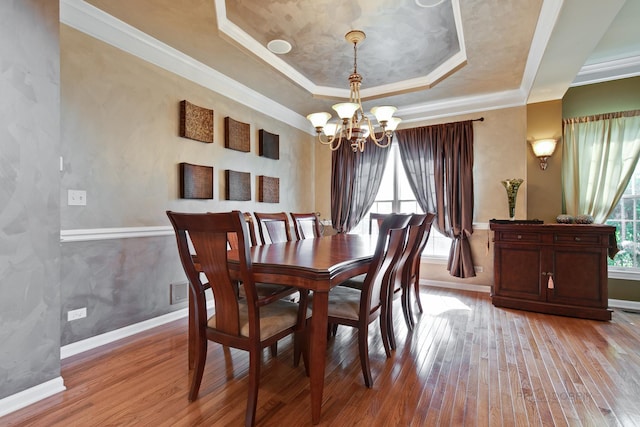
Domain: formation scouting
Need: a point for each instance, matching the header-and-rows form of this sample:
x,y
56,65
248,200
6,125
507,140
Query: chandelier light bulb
x,y
330,129
383,113
319,120
345,110
393,123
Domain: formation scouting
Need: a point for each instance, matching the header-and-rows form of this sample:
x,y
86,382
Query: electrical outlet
x,y
478,269
77,314
178,292
76,198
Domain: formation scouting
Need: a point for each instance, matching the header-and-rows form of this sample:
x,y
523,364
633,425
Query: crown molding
x,y
96,23
104,27
462,105
237,34
607,71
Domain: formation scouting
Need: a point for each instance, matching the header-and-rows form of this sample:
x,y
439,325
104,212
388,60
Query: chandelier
x,y
353,125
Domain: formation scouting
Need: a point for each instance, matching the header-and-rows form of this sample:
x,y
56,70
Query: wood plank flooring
x,y
466,364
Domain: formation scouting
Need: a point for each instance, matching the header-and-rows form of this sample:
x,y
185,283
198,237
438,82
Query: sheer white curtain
x,y
598,159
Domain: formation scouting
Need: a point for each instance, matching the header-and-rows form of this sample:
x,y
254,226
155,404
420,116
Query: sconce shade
x,y
544,147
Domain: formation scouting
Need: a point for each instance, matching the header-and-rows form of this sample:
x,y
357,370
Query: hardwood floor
x,y
467,364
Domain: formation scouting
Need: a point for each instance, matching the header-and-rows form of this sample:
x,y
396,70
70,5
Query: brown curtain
x,y
355,180
438,161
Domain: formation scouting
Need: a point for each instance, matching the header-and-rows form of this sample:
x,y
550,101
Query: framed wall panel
x,y
238,185
269,145
196,122
196,182
268,189
237,135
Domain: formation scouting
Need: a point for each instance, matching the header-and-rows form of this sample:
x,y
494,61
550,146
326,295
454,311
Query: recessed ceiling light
x,y
279,47
429,3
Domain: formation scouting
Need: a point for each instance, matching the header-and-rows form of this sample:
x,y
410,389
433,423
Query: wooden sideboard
x,y
552,268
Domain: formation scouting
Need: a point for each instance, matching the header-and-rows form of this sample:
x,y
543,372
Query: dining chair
x,y
233,240
248,323
277,227
412,272
400,285
358,308
306,225
263,290
377,219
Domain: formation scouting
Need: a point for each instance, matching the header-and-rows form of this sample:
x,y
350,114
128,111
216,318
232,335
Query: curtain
x,y
599,156
355,180
438,161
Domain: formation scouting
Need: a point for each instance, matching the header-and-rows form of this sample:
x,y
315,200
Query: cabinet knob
x,y
544,273
577,239
519,236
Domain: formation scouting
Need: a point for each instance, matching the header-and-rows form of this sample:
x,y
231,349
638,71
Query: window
x,y
626,218
395,196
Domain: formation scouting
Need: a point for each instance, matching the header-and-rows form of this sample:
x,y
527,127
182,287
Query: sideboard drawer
x,y
520,237
578,239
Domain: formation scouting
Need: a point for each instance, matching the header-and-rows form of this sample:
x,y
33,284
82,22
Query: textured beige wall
x,y
544,201
120,142
323,180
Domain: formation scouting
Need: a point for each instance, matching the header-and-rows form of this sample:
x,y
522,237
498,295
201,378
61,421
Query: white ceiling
x,y
502,53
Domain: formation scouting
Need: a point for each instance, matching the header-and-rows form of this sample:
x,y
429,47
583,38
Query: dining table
x,y
317,265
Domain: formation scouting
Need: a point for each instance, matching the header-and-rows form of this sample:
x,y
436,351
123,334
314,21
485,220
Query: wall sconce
x,y
543,149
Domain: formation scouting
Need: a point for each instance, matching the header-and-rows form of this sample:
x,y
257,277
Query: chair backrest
x,y
306,225
412,267
415,232
376,219
233,240
207,233
277,226
391,241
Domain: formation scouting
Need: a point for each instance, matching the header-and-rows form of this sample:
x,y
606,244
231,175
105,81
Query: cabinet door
x,y
577,277
517,272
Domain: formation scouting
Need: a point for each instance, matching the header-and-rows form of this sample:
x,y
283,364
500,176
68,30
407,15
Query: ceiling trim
x,y
607,71
238,35
102,26
461,105
549,14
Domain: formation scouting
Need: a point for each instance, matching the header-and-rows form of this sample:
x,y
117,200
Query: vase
x,y
512,185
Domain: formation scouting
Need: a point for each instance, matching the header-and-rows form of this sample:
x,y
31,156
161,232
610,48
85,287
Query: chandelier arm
x,y
334,148
330,141
377,142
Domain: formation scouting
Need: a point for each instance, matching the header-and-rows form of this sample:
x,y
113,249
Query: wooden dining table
x,y
317,265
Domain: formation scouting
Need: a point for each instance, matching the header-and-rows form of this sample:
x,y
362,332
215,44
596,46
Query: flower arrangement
x,y
512,185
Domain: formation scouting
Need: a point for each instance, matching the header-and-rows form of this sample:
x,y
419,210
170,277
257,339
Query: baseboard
x,y
456,285
109,337
625,304
31,395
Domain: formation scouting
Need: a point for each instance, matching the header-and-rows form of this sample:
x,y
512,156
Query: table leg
x,y
318,351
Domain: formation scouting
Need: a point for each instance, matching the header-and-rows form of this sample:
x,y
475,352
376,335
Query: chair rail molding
x,y
84,235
